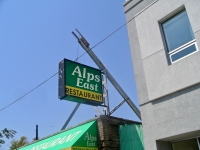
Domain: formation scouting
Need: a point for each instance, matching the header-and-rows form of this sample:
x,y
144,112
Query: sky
x,y
35,35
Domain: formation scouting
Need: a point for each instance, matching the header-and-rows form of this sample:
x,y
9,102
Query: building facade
x,y
164,38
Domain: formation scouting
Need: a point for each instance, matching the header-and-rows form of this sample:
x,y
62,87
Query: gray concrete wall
x,y
172,115
169,95
138,5
161,77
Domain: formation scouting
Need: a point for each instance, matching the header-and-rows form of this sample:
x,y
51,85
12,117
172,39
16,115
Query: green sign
x,y
80,138
80,83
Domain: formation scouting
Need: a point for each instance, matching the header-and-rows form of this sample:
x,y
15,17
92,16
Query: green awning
x,y
83,137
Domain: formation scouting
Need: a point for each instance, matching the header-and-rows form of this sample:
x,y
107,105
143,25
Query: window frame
x,y
180,48
198,141
196,137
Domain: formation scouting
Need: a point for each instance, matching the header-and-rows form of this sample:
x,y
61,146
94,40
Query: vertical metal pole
x,y
108,104
71,115
36,137
104,95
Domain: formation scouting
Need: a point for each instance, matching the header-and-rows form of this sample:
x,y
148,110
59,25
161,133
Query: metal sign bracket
x,y
85,45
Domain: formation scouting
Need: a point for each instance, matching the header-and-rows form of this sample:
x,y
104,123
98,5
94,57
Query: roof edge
x,y
87,121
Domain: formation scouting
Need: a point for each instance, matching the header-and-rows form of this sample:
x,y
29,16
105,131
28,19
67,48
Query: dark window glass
x,y
186,145
177,31
183,53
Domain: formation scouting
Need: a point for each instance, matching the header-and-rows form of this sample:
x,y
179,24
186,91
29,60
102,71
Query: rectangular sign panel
x,y
79,83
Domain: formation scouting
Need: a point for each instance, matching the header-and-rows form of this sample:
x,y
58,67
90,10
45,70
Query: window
x,y
190,144
198,141
179,37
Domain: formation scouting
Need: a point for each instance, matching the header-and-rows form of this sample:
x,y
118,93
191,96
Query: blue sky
x,y
35,36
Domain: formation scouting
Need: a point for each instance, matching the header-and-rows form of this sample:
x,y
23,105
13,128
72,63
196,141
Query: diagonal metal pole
x,y
71,115
97,110
85,45
120,104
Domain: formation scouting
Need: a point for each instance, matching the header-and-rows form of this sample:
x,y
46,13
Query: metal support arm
x,y
82,42
71,115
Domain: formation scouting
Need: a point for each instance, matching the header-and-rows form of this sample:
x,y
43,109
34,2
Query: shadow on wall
x,y
131,137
